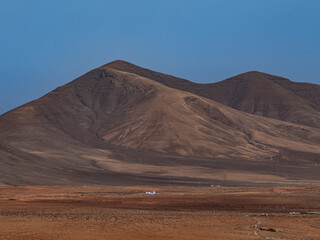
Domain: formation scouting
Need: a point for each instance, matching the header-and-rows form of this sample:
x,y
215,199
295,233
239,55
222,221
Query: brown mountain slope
x,y
253,92
115,127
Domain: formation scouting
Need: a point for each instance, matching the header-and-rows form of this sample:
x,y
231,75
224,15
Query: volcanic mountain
x,y
122,124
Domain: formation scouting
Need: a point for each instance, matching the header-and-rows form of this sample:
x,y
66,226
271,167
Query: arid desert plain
x,y
215,212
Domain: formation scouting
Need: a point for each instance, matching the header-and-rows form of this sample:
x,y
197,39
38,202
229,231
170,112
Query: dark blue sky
x,y
44,44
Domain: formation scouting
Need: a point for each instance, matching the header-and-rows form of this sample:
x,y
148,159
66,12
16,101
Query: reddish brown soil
x,y
173,213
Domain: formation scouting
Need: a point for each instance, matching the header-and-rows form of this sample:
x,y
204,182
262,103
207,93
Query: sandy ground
x,y
172,213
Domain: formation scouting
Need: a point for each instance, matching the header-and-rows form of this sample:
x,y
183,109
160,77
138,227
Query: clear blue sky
x,y
45,44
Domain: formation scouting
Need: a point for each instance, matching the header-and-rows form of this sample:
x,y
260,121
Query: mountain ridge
x,y
110,126
234,92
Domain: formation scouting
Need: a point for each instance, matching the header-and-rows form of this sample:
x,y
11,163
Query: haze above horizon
x,y
47,44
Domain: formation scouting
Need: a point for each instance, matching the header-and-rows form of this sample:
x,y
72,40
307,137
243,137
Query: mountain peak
x,y
257,76
119,65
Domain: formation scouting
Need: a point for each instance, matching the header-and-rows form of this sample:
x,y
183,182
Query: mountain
x,y
121,124
252,92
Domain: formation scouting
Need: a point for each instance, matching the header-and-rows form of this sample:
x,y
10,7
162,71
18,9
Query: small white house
x,y
153,192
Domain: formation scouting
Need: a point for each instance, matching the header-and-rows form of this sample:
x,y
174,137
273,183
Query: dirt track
x,y
173,213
